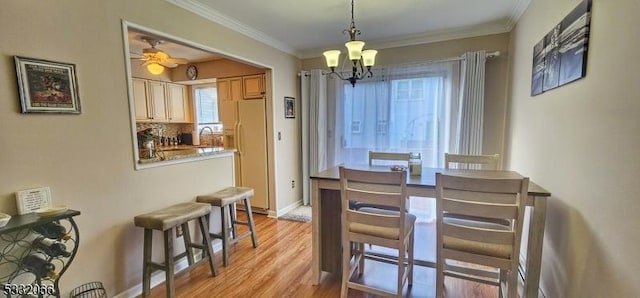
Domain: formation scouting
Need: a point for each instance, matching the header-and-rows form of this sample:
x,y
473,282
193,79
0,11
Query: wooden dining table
x,y
326,219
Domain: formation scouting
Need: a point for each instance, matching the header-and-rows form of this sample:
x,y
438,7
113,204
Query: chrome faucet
x,y
202,130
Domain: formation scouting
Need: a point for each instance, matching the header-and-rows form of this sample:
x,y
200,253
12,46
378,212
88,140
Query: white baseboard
x,y
286,209
159,276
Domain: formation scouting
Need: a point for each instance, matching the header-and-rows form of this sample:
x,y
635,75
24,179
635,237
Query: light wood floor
x,y
281,267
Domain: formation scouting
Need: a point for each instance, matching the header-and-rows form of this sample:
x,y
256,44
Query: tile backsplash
x,y
166,129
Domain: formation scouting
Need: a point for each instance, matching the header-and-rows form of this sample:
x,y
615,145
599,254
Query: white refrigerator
x,y
245,129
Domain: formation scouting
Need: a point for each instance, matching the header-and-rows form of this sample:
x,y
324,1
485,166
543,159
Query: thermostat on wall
x,y
30,200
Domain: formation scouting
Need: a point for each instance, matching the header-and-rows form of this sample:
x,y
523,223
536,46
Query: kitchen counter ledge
x,y
168,155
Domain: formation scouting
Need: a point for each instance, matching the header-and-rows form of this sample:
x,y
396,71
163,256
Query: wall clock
x,y
192,72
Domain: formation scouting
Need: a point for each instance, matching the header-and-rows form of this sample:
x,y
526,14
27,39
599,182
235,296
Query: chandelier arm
x,y
333,72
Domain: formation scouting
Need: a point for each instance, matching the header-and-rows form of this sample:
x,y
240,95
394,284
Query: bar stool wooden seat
x,y
167,220
226,200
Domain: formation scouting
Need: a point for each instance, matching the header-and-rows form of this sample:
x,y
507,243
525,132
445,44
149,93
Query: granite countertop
x,y
165,153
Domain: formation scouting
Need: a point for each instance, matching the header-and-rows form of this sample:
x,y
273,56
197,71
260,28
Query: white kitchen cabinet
x,y
156,101
141,105
157,96
253,86
229,89
178,103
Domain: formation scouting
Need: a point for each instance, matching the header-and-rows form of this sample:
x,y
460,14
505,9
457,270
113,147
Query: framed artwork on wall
x,y
47,86
561,56
289,108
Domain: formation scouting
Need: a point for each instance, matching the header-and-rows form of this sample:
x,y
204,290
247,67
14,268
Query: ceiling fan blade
x,y
177,60
167,64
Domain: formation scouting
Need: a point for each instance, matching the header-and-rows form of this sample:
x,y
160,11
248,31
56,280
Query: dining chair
x,y
388,156
479,242
383,156
391,229
482,162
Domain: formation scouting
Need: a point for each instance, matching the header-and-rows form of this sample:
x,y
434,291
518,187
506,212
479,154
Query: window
x,y
406,112
206,99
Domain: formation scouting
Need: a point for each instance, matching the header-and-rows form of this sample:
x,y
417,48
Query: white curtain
x,y
314,126
406,108
471,109
428,108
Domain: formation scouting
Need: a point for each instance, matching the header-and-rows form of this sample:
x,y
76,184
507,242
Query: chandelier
x,y
362,61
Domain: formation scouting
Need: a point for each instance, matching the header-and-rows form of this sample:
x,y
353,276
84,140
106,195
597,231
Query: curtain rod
x,y
459,58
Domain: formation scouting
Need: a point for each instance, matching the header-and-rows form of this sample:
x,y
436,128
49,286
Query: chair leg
x,y
146,270
186,236
225,235
512,284
252,227
402,254
168,261
360,254
346,266
233,217
439,275
411,257
207,250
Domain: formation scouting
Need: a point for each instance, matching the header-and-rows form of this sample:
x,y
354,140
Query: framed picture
x,y
561,56
289,108
47,86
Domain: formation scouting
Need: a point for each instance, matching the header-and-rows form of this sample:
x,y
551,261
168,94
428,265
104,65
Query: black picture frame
x,y
47,86
289,107
561,56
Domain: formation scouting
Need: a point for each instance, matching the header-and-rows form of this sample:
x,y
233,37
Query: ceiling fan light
x,y
369,57
332,57
155,68
354,48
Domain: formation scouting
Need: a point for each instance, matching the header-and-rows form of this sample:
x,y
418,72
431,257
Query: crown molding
x,y
217,17
517,10
422,38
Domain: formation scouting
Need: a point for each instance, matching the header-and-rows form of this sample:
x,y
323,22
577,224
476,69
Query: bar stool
x,y
226,200
167,220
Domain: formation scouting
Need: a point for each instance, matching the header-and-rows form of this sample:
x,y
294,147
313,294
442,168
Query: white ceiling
x,y
306,28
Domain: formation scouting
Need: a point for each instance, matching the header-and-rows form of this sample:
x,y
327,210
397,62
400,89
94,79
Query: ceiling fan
x,y
155,60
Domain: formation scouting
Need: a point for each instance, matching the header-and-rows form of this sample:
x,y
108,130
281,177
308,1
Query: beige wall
x,y
87,159
496,75
581,142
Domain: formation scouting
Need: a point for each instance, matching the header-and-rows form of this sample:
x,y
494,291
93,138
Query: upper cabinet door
x,y
253,86
229,89
178,103
235,88
141,105
157,94
222,86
